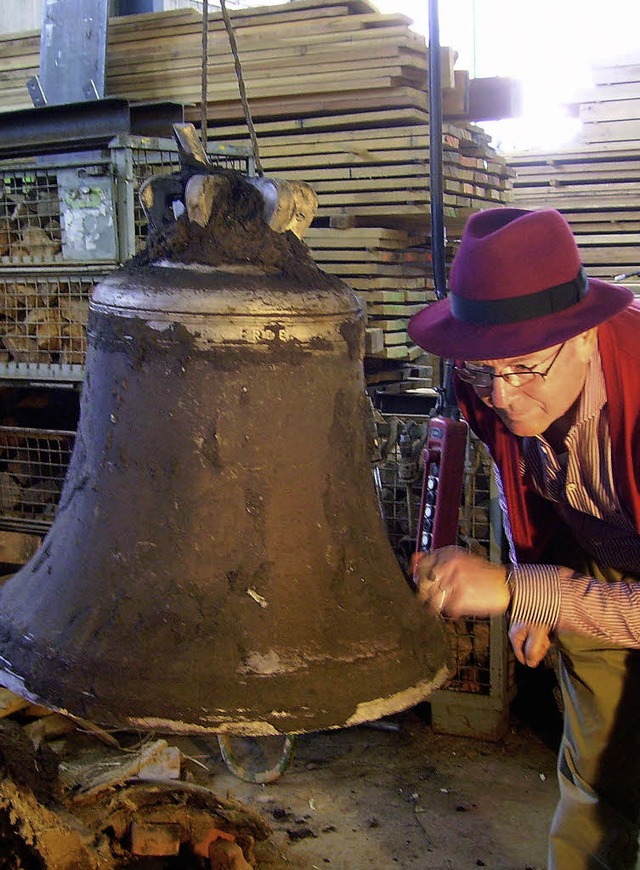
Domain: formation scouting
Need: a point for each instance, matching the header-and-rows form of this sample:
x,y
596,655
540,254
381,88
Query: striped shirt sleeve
x,y
566,600
535,594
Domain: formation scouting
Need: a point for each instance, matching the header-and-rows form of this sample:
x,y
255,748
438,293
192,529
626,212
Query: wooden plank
x,y
365,144
303,125
372,268
355,198
371,239
16,548
289,56
561,170
596,202
373,341
392,353
617,110
355,156
604,226
371,296
455,101
612,131
400,170
390,324
157,89
448,57
396,283
585,152
616,73
620,256
392,98
392,339
385,309
275,27
613,238
354,7
589,215
399,137
268,16
605,93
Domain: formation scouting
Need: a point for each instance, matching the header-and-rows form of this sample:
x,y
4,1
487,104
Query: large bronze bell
x,y
218,560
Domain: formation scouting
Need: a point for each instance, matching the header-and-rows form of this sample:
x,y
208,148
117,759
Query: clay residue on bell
x,y
235,233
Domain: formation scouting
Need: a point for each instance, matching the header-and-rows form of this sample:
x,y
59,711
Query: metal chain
x,y
241,87
204,77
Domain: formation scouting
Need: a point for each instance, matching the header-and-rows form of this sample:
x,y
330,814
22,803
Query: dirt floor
x,y
407,798
390,794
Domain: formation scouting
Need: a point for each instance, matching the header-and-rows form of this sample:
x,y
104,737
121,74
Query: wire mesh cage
x,y
43,318
65,221
82,207
477,646
33,466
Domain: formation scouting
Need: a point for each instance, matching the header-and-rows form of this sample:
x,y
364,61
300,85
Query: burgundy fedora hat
x,y
517,286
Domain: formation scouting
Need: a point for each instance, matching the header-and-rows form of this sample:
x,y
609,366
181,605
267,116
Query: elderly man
x,y
547,373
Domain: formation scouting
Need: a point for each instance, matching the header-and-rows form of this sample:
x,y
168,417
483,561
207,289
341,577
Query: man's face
x,y
533,406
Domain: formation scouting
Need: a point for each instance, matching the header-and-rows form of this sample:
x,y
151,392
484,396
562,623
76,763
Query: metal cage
x,y
66,220
476,697
43,319
33,466
82,207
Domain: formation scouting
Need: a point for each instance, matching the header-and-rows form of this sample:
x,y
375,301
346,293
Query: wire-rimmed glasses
x,y
482,379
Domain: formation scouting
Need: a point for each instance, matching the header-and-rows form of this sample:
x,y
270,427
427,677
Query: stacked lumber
x,y
596,183
389,269
610,112
278,45
338,94
366,154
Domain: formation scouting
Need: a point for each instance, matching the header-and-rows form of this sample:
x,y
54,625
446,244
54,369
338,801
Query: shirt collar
x,y
594,393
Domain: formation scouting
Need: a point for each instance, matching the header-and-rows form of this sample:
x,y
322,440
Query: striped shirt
x,y
579,482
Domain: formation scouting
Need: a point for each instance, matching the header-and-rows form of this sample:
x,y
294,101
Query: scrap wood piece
x,y
160,801
155,759
159,818
155,838
10,703
227,856
57,841
48,726
16,548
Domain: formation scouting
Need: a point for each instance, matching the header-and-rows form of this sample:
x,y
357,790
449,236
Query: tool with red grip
x,y
444,459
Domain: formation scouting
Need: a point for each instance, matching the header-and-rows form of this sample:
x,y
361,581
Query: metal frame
x,y
94,185
38,459
484,712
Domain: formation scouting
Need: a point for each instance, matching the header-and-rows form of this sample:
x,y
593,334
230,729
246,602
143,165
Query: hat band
x,y
493,312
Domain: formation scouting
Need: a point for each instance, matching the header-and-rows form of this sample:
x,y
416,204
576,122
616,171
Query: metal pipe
x,y
435,152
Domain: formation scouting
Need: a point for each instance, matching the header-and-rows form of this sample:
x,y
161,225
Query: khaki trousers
x,y
597,820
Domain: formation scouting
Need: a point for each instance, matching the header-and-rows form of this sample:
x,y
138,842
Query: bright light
x,y
550,45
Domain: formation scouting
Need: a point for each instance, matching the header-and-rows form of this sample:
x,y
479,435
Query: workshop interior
x,y
220,450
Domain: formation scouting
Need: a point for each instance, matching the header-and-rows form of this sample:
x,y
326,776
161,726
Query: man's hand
x,y
530,643
455,582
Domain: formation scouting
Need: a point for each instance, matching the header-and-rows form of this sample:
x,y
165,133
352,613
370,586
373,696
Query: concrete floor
x,y
368,798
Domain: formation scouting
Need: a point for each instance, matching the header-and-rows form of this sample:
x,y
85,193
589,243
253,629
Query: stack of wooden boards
x,y
363,145
339,97
596,183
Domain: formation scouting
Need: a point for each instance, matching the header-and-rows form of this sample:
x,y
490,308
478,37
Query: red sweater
x,y
532,523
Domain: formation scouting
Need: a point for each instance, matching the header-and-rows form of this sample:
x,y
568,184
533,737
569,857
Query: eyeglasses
x,y
483,379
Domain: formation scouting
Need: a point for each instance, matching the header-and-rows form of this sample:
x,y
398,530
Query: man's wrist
x,y
535,594
509,587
